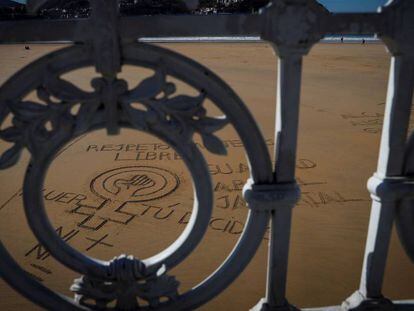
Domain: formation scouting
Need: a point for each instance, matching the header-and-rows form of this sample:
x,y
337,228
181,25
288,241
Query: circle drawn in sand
x,y
135,183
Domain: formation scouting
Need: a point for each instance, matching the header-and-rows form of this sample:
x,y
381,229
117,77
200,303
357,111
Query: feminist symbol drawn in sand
x,y
134,184
120,188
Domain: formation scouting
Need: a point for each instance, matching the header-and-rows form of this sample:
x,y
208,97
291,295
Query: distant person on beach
x,y
363,41
342,39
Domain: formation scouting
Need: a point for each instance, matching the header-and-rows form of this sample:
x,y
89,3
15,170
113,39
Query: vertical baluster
x,y
292,38
388,185
287,117
389,172
390,164
283,194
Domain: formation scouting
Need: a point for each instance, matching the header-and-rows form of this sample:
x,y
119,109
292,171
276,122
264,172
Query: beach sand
x,y
342,105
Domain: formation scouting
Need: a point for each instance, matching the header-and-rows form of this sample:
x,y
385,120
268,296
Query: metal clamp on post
x,y
358,302
268,197
390,188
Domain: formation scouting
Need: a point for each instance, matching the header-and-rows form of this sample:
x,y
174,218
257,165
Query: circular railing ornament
x,y
171,117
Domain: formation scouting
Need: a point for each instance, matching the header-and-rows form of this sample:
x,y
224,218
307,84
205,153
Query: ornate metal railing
x,y
108,41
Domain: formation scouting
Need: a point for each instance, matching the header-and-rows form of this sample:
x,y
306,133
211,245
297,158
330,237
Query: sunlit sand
x,y
342,105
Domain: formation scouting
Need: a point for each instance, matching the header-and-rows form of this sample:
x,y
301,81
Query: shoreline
x,y
247,39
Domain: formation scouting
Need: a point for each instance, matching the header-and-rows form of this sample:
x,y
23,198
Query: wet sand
x,y
342,105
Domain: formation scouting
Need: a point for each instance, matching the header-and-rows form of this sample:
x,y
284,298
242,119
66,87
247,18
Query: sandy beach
x,y
342,105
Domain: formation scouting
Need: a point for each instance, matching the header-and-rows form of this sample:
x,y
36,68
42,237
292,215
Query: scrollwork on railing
x,y
35,123
132,280
153,106
181,115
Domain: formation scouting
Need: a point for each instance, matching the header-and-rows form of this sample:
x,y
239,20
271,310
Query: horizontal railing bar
x,y
195,40
41,30
354,23
161,26
134,27
191,25
230,39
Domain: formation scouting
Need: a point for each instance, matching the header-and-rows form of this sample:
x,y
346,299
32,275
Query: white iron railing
x,y
107,41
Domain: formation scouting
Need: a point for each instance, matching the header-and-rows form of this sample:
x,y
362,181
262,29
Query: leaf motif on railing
x,y
36,122
208,125
14,135
180,115
67,91
10,156
149,87
28,121
214,144
27,111
11,134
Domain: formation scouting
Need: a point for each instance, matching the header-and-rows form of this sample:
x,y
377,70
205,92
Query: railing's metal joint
x,y
358,302
293,26
269,197
264,306
104,38
399,33
390,189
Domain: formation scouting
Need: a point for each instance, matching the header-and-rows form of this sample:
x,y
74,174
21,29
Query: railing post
x,y
286,133
390,165
287,118
292,27
388,185
389,173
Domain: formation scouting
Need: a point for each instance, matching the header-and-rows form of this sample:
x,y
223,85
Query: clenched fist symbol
x,y
133,186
